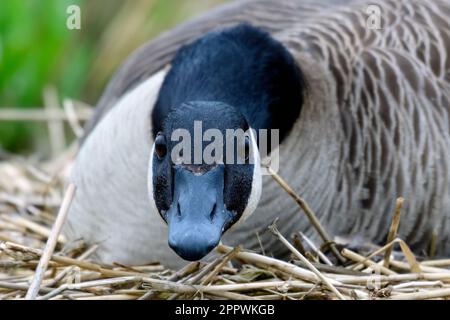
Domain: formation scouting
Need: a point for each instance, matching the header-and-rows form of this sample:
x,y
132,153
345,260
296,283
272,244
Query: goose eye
x,y
160,146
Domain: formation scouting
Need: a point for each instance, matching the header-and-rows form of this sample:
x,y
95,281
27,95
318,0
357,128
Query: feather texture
x,y
374,126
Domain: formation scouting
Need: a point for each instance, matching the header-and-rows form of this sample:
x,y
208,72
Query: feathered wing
x,y
396,122
392,90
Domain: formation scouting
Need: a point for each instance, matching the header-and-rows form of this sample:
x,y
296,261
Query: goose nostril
x,y
178,210
213,213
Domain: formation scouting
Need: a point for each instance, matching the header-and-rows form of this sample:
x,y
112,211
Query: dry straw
x,y
35,257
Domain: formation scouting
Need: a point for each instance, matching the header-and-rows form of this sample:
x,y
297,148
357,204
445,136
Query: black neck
x,y
243,67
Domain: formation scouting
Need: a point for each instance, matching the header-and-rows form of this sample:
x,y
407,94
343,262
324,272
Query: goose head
x,y
204,175
226,82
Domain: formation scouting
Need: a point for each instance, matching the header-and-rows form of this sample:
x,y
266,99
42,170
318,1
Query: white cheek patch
x,y
150,181
255,193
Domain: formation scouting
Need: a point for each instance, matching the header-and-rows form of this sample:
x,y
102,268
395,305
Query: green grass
x,y
36,50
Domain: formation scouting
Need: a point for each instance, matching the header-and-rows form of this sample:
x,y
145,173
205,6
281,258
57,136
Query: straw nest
x,y
35,257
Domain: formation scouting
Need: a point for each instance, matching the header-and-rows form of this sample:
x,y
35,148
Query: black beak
x,y
197,216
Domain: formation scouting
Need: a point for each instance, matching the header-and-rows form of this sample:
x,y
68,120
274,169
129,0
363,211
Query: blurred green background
x,y
37,50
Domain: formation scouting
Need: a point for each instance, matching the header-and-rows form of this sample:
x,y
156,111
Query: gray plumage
x,y
375,126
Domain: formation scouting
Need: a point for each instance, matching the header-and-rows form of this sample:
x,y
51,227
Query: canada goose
x,y
363,115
